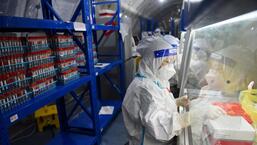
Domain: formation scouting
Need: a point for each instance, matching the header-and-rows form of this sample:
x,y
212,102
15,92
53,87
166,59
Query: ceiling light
x,y
161,1
195,1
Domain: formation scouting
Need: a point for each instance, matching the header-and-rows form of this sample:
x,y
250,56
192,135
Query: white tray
x,y
231,128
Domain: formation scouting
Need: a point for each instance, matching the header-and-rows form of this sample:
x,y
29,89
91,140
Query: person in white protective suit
x,y
199,64
158,32
149,108
209,92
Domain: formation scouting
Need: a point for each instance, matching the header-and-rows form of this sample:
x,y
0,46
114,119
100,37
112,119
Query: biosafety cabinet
x,y
219,69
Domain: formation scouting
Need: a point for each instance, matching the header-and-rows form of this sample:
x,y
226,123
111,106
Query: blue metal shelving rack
x,y
183,17
88,125
81,121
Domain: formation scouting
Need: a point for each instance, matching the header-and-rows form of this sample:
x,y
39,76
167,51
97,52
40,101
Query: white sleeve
x,y
159,120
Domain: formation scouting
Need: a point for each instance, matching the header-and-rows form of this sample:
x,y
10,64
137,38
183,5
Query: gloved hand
x,y
182,101
185,119
214,112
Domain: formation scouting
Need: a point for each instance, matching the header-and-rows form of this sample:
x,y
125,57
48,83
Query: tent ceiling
x,y
151,8
147,8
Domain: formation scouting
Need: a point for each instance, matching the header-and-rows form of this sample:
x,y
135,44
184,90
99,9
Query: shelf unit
x,y
9,23
172,26
89,124
147,25
104,120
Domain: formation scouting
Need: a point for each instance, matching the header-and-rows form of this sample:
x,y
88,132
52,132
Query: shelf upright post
x,y
148,25
95,38
141,26
122,56
183,19
62,115
60,103
94,22
122,66
86,18
46,13
153,25
172,26
4,133
118,13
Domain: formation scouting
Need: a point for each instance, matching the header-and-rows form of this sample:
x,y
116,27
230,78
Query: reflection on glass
x,y
223,62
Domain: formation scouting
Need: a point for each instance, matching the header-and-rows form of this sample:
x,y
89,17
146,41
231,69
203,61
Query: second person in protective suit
x,y
149,108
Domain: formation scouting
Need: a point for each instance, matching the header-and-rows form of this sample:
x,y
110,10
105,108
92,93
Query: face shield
x,y
167,67
158,57
226,70
174,42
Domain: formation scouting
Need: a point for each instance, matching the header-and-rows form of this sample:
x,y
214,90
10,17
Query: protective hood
x,y
153,51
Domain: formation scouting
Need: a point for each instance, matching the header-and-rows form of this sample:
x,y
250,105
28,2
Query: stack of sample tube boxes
x,y
80,56
13,80
64,50
32,65
41,68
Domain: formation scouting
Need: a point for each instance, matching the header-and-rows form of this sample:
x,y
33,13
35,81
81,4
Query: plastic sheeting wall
x,y
13,7
32,8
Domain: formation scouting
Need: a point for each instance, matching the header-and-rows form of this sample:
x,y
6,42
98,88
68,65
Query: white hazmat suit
x,y
148,104
149,108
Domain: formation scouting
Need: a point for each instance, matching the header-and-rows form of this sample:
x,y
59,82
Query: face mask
x,y
166,72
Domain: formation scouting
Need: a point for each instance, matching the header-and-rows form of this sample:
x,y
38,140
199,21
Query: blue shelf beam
x,y
42,99
52,11
82,120
101,38
79,102
105,2
100,71
76,106
77,12
113,18
104,27
116,87
46,13
13,24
